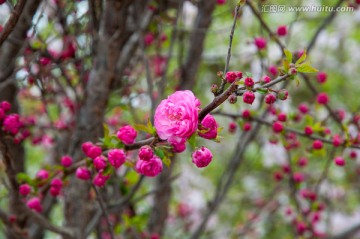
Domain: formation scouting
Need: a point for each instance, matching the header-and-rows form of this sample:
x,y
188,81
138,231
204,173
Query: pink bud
x,y
303,108
247,127
149,168
5,105
230,76
99,163
339,161
282,117
232,127
209,126
83,173
248,97
302,162
273,70
308,130
321,77
317,144
337,141
24,189
34,204
265,80
116,157
298,177
127,134
260,43
322,98
66,161
246,114
282,30
277,127
42,174
249,82
270,99
202,157
100,179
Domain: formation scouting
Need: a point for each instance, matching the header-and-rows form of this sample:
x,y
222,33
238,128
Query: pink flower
x,y
149,168
260,43
248,97
273,70
91,150
127,134
270,99
277,127
2,114
148,39
321,77
317,144
12,123
34,204
221,2
282,30
209,125
66,161
99,163
44,61
100,179
247,127
282,94
55,188
246,114
336,140
322,98
308,130
339,161
302,162
232,127
116,157
230,76
249,82
24,189
146,153
179,147
298,177
303,108
83,173
42,174
282,117
265,80
5,105
176,117
202,157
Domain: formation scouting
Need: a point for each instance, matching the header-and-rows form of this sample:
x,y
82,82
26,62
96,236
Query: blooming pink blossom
x,y
34,204
116,157
149,168
24,189
176,118
210,127
83,173
127,134
146,153
202,157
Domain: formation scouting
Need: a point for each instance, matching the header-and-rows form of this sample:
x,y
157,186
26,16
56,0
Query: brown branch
x,y
11,22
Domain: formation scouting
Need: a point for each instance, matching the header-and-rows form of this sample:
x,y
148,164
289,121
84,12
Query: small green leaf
x,y
288,55
301,59
167,161
248,74
306,68
286,66
192,140
262,91
159,152
142,127
23,178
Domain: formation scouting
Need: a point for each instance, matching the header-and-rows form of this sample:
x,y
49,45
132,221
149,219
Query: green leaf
x,y
159,152
288,55
262,91
151,127
306,68
23,178
301,59
106,130
142,127
249,74
286,66
192,140
167,161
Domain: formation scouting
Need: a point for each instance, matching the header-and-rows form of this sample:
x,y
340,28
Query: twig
x,y
104,211
11,22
